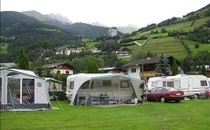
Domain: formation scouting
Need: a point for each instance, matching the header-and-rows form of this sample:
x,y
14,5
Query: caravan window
x,y
124,84
85,85
203,83
164,83
107,83
71,85
170,84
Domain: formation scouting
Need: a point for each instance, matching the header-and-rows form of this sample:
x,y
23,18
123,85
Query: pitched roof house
x,y
144,68
60,68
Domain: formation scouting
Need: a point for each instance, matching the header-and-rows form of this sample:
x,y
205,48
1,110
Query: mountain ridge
x,y
85,29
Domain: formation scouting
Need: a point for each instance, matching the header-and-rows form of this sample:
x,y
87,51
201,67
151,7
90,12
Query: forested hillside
x,y
18,30
178,37
86,30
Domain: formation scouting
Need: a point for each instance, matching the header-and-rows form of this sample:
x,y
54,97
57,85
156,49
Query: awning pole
x,y
88,92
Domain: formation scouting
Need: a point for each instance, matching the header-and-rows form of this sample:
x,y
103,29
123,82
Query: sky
x,y
109,12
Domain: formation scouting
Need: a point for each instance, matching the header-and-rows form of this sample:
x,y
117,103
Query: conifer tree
x,y
203,70
23,60
163,67
175,70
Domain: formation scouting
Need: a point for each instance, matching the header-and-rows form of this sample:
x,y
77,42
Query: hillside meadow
x,y
186,115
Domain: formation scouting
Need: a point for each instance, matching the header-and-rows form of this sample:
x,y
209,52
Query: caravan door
x,y
190,86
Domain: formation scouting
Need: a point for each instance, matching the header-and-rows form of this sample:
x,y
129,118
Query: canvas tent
x,y
102,89
53,84
22,90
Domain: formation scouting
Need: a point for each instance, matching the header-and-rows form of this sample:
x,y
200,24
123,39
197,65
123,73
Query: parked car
x,y
207,93
164,94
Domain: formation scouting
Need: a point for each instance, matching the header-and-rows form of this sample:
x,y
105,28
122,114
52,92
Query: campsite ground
x,y
186,115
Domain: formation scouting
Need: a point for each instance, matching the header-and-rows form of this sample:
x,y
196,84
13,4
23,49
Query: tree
x,y
23,60
163,67
175,70
82,63
92,67
108,45
203,70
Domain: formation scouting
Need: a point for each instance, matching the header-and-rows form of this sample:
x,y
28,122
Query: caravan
x,y
192,85
102,89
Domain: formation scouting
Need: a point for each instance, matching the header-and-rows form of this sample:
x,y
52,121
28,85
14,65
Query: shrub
x,y
197,45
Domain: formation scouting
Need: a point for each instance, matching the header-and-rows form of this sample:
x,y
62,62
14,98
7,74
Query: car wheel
x,y
162,99
177,101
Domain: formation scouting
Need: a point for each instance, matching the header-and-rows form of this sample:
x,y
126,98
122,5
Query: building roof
x,y
149,60
57,65
142,61
106,69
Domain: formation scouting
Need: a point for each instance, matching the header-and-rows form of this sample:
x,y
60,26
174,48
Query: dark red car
x,y
164,94
207,93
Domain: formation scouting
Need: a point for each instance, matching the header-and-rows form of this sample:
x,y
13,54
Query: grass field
x,y
186,115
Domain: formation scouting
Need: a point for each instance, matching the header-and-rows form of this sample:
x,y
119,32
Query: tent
x,y
103,89
22,90
53,84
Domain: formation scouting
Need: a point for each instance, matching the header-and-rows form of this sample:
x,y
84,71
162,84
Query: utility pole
x,y
141,45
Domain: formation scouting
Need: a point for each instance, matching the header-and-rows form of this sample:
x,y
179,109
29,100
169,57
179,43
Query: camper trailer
x,y
192,85
102,89
209,81
22,90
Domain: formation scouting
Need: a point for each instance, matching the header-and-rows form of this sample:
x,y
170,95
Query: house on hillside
x,y
60,68
67,51
145,68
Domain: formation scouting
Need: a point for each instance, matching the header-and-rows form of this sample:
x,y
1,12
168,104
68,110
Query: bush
x,y
197,45
60,95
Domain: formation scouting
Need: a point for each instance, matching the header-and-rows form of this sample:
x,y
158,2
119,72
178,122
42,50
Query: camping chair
x,y
113,101
94,100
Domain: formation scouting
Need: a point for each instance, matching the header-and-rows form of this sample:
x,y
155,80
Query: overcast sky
x,y
109,12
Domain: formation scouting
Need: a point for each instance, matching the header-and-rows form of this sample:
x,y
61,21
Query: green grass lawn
x,y
187,115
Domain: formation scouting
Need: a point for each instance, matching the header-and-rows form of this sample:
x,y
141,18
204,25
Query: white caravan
x,y
190,84
209,81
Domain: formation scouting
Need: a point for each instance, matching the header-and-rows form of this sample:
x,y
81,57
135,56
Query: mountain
x,y
86,30
60,18
127,29
175,36
19,30
37,15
